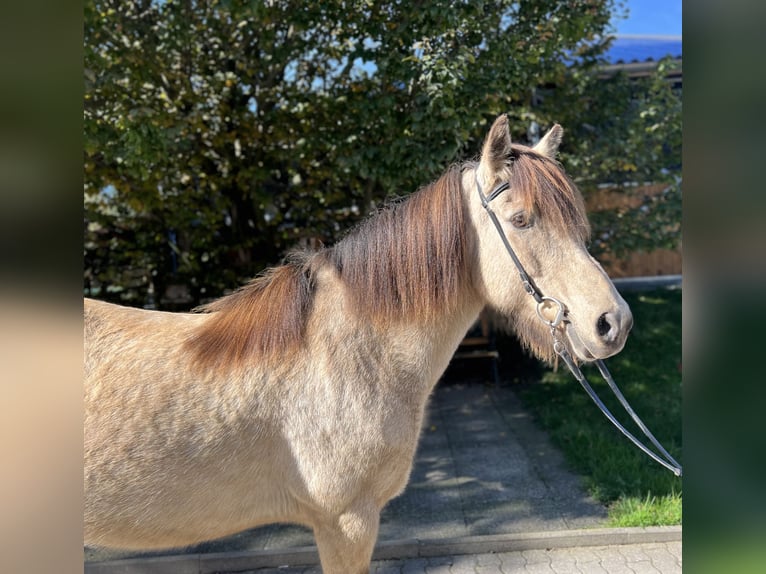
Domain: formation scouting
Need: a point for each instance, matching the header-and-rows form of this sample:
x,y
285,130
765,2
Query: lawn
x,y
636,490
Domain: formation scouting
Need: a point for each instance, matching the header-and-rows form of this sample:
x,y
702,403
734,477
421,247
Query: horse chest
x,y
349,442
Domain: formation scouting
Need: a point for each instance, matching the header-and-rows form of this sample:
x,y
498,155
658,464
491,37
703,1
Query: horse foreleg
x,y
346,542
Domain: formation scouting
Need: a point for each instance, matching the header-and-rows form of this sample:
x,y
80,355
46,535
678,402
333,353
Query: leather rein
x,y
560,349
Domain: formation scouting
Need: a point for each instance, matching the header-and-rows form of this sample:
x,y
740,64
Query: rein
x,y
560,349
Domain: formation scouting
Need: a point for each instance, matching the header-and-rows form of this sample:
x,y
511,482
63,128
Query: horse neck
x,y
416,349
439,339
406,280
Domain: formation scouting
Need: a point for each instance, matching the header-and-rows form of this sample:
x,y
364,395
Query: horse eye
x,y
520,220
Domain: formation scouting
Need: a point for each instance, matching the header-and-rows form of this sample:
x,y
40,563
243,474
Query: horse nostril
x,y
602,326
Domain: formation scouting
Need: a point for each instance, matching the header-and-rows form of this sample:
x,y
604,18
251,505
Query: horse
x,y
300,396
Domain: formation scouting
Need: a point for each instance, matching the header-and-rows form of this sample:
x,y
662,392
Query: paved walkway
x,y
648,558
488,493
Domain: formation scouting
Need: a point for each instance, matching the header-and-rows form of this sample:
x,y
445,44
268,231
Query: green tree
x,y
625,133
218,134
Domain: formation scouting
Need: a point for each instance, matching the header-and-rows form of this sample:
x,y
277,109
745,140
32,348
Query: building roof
x,y
630,48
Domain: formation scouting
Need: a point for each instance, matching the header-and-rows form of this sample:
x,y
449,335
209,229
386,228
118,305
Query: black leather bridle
x,y
558,346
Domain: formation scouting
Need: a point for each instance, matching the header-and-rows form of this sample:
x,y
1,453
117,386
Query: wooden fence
x,y
639,264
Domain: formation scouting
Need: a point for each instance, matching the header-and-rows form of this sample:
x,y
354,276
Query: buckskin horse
x,y
300,397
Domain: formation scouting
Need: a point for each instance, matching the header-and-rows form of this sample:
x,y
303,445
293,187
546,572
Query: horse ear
x,y
496,149
550,142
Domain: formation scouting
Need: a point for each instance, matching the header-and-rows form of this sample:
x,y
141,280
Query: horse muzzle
x,y
604,338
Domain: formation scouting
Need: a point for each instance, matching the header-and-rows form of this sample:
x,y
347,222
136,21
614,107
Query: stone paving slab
x,y
609,550
647,558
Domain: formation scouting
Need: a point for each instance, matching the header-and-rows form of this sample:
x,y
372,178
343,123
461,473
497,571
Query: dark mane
x,y
546,188
261,318
409,258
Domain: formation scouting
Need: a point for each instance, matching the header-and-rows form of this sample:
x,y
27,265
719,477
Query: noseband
x,y
560,349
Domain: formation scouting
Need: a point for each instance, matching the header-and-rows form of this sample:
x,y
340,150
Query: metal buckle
x,y
544,302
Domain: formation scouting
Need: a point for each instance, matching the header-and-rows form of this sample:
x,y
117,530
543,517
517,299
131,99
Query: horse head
x,y
541,214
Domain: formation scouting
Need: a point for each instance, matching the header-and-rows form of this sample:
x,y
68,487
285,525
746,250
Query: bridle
x,y
560,349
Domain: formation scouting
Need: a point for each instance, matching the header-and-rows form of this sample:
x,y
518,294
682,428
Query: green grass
x,y
636,490
650,511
